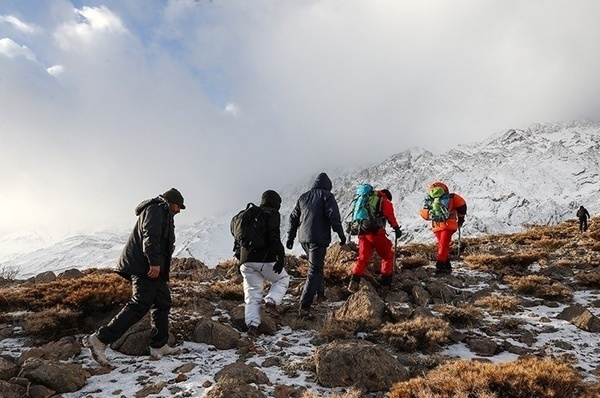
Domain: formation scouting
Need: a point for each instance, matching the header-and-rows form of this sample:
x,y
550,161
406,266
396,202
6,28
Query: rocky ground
x,y
528,295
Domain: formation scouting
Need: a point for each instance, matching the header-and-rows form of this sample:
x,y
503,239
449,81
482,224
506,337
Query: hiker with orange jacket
x,y
447,214
378,241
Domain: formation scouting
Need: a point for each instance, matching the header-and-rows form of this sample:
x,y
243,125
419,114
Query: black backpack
x,y
249,227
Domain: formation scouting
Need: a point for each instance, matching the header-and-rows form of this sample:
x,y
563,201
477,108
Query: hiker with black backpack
x,y
258,247
371,211
447,212
316,213
583,215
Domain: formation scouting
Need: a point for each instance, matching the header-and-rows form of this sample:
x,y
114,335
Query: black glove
x,y
278,267
461,221
342,239
398,232
289,244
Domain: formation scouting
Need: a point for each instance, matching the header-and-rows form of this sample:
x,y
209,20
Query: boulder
x,y
357,363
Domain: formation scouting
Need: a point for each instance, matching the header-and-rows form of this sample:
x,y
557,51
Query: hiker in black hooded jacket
x,y
145,261
316,213
583,216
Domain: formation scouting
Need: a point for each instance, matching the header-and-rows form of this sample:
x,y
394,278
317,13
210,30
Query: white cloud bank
x,y
118,101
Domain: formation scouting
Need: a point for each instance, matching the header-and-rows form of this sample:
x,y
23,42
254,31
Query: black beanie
x,y
271,199
387,194
173,196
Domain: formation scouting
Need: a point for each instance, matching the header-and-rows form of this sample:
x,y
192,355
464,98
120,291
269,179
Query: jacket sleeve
x,y
153,220
333,214
275,245
425,208
387,208
294,222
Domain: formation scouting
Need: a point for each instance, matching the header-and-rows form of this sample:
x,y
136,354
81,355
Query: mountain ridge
x,y
537,175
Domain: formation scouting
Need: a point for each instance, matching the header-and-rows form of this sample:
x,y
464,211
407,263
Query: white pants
x,y
254,276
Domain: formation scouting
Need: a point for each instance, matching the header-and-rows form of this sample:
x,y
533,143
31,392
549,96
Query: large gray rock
x,y
58,376
358,363
581,317
242,372
221,336
233,388
364,307
8,369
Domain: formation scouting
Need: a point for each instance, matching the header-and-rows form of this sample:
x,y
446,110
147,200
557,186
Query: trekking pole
x,y
395,250
458,242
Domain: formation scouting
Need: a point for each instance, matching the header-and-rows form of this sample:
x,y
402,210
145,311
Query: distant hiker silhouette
x,y
447,214
583,216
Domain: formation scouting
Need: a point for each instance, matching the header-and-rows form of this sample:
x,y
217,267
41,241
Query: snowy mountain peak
x,y
537,175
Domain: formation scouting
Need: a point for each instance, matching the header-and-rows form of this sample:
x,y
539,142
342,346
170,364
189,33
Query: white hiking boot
x,y
97,348
156,353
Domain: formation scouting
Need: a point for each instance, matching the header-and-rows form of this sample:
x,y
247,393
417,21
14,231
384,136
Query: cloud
x,y
10,49
119,101
19,25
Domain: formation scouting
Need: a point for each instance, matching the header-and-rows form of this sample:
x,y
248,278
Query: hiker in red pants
x,y
447,214
378,241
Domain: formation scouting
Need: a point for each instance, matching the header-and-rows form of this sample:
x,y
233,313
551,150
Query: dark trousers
x,y
583,224
314,279
147,295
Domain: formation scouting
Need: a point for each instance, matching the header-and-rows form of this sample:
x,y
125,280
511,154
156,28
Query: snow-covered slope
x,y
538,175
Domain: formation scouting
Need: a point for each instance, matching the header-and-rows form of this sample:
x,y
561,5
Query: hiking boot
x,y
305,313
448,267
353,286
321,298
156,353
96,347
253,331
271,308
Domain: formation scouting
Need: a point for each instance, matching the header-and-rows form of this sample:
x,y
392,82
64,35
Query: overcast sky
x,y
106,103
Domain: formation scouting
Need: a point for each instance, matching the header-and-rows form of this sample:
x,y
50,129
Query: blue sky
x,y
106,103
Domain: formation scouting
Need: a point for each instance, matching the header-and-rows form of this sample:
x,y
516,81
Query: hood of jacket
x,y
271,199
322,182
148,202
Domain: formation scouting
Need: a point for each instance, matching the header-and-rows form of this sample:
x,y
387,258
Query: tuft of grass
x,y
99,292
333,329
499,303
418,334
589,279
529,377
52,323
540,286
460,316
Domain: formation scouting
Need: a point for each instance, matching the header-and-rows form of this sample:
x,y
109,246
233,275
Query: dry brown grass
x,y
460,316
529,377
52,323
228,291
97,292
418,334
590,279
496,264
540,286
499,303
334,329
352,393
414,261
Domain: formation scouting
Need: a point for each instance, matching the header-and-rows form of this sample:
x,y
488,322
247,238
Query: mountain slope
x,y
538,175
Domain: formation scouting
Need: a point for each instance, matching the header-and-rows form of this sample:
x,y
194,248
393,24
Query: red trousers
x,y
382,245
443,248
